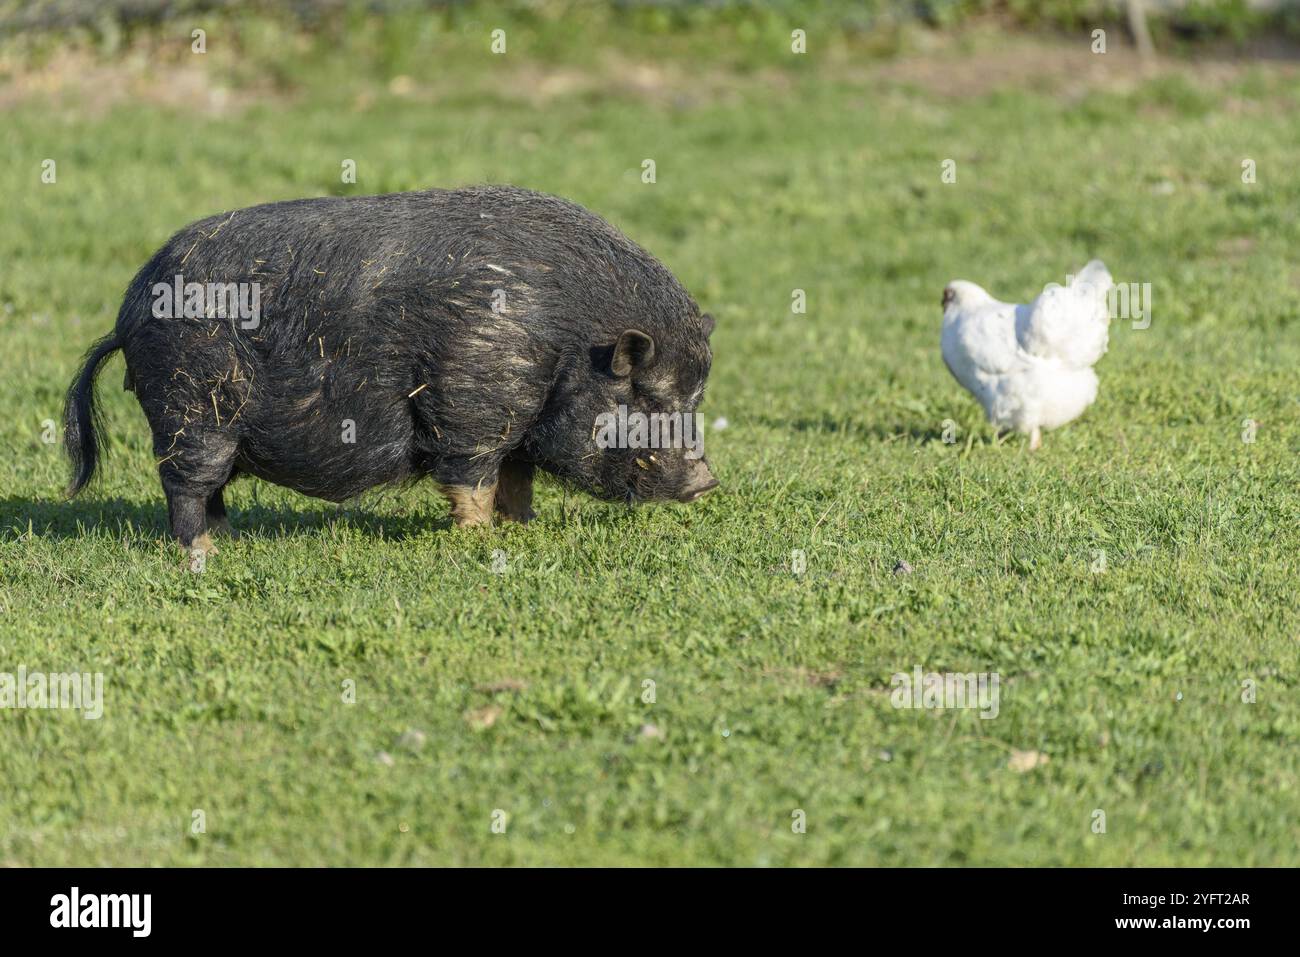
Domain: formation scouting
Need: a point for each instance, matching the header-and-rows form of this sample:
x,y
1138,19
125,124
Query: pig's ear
x,y
632,353
708,324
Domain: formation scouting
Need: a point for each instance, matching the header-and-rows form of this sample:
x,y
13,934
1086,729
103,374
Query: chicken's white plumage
x,y
1029,366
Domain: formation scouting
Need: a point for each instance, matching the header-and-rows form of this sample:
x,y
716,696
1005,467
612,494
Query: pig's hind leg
x,y
187,514
217,520
193,471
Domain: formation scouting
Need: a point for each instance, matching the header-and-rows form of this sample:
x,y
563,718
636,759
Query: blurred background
x,y
1181,19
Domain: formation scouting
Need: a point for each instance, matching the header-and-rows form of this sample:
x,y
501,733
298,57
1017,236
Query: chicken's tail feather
x,y
1093,280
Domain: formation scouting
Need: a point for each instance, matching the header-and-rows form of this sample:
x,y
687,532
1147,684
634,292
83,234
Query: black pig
x,y
332,345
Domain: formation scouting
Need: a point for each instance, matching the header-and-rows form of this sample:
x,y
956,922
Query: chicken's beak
x,y
948,297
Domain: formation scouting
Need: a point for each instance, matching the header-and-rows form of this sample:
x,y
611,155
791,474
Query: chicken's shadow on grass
x,y
55,518
856,429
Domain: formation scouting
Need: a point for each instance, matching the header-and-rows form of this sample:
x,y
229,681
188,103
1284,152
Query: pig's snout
x,y
700,482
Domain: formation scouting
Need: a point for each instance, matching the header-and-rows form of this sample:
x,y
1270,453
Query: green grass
x,y
224,691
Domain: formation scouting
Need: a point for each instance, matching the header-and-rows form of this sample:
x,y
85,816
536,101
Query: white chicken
x,y
1029,366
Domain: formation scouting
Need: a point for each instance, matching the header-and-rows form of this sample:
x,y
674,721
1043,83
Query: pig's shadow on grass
x,y
53,518
856,429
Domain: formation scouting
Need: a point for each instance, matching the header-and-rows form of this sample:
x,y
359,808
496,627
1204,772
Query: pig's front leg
x,y
515,491
471,504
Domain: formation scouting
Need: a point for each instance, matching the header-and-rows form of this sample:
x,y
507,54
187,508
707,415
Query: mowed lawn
x,y
658,686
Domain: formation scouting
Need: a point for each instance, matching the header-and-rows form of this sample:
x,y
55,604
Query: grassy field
x,y
517,682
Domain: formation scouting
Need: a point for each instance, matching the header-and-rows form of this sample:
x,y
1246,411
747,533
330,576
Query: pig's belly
x,y
331,459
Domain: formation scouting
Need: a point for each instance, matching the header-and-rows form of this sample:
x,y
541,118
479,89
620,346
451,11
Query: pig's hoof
x,y
194,557
470,505
522,517
221,526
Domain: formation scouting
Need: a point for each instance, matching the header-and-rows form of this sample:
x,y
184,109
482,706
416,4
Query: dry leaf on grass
x,y
1022,761
411,740
481,718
